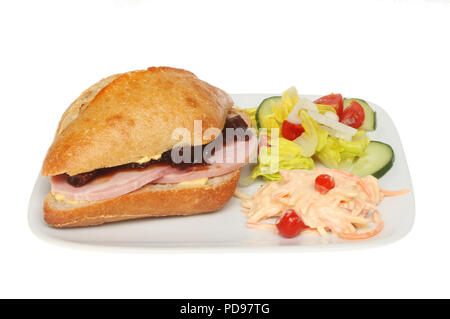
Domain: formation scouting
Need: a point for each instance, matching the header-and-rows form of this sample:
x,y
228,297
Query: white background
x,y
394,53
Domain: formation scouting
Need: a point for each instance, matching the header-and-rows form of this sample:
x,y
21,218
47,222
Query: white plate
x,y
226,228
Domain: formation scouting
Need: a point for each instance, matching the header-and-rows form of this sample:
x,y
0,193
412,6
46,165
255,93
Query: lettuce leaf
x,y
313,139
325,108
289,157
330,154
340,154
358,144
284,106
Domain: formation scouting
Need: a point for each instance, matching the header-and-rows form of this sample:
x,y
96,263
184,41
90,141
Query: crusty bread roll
x,y
150,200
128,116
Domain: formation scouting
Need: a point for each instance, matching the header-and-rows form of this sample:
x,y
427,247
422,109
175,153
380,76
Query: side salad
x,y
330,130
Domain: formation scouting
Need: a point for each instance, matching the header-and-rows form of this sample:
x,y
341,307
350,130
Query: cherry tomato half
x,y
291,131
334,100
290,224
353,115
324,183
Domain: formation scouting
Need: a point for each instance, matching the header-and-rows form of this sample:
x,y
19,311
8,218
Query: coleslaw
x,y
348,210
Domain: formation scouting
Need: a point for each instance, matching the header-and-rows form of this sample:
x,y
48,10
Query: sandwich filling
x,y
232,122
228,154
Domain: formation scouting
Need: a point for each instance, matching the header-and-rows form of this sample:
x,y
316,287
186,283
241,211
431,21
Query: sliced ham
x,y
230,157
238,152
197,172
111,185
121,182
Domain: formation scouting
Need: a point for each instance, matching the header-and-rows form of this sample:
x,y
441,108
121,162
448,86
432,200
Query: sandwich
x,y
153,142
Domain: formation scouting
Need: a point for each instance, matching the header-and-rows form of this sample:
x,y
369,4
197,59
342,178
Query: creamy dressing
x,y
348,207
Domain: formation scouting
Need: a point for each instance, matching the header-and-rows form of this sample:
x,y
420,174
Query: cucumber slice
x,y
370,119
376,160
264,110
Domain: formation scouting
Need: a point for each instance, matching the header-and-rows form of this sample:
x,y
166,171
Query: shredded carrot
x,y
394,193
241,195
353,236
346,209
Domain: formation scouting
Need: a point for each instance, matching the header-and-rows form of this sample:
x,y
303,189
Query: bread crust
x,y
148,201
128,116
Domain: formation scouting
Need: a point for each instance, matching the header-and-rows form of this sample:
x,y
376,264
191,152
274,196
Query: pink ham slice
x,y
122,182
225,160
110,185
197,172
238,152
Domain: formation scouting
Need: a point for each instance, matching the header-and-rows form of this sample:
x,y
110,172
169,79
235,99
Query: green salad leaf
x,y
313,139
284,106
289,157
339,153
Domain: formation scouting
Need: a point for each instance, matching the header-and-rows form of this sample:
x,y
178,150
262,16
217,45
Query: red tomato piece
x,y
291,131
334,100
353,115
290,224
324,183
